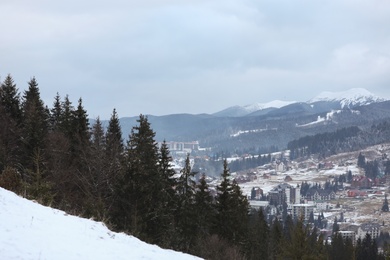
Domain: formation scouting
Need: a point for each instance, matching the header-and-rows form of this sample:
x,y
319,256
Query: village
x,y
322,192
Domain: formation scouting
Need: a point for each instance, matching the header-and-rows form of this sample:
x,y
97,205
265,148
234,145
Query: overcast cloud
x,y
162,57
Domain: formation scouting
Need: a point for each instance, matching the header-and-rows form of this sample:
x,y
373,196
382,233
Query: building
x,y
186,147
361,182
256,193
320,194
348,234
322,205
373,229
302,210
258,204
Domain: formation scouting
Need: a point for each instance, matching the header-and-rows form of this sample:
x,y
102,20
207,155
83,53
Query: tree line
x,y
54,156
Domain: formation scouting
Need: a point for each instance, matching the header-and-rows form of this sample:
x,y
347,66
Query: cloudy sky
x,y
175,56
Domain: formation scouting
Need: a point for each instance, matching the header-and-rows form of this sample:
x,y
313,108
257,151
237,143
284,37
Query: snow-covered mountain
x,y
349,98
31,231
236,111
324,102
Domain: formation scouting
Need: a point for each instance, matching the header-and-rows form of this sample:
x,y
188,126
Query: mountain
x,y
260,127
253,109
32,231
348,99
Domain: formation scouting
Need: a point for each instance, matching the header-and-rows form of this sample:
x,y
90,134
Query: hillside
x,y
32,231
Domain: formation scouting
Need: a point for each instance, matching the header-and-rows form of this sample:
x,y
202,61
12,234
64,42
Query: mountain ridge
x,y
342,99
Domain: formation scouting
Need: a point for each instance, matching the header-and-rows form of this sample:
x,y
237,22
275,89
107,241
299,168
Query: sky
x,y
172,56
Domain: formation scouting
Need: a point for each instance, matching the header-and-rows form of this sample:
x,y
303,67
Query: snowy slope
x,y
31,231
350,98
273,104
237,111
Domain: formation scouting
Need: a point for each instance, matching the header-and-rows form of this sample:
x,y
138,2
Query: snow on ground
x,y
31,231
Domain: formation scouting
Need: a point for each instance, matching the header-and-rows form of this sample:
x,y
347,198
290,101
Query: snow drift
x,y
31,231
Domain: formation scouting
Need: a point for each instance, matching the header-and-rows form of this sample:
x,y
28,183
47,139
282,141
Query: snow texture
x,y
31,231
273,104
349,98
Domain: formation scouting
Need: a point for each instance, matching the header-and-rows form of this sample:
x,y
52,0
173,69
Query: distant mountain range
x,y
333,100
261,126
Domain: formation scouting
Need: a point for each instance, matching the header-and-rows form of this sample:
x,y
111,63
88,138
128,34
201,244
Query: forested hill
x,y
260,133
342,140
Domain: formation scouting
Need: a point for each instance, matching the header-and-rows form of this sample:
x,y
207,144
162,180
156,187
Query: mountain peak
x,y
272,104
349,98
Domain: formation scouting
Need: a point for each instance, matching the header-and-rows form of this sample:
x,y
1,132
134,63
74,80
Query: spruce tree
x,y
166,230
232,209
113,150
139,190
185,212
56,113
10,99
35,124
204,207
224,222
10,125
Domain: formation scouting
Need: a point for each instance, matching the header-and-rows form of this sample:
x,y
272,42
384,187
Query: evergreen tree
x,y
232,210
10,120
168,197
258,236
139,189
81,125
361,161
224,222
35,124
67,118
101,194
185,213
298,247
275,240
311,217
10,99
385,207
56,113
114,150
204,207
336,226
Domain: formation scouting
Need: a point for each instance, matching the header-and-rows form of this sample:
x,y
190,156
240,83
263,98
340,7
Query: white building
x,y
371,228
302,210
257,204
